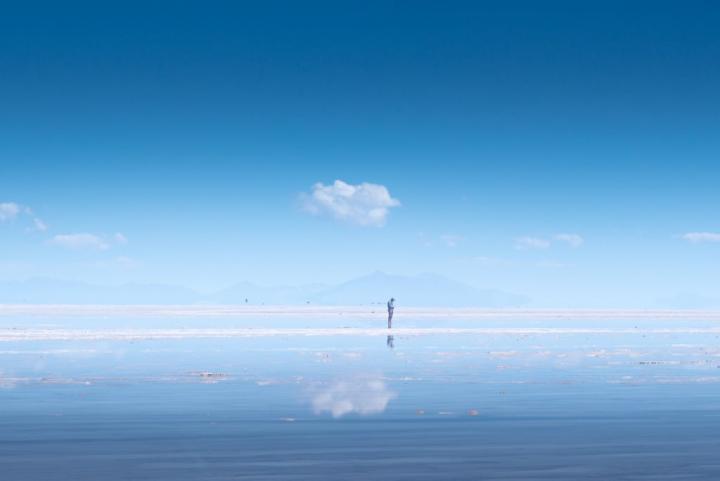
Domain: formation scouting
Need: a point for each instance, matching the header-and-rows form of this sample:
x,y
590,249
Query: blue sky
x,y
198,132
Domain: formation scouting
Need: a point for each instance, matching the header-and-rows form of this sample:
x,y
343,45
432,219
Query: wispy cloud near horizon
x,y
451,240
524,243
39,225
8,211
699,237
573,240
529,242
12,210
86,241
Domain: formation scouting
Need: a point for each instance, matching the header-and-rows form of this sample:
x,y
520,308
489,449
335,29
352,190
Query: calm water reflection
x,y
401,407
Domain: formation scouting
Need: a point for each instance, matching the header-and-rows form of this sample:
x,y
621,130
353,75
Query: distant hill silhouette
x,y
237,293
425,290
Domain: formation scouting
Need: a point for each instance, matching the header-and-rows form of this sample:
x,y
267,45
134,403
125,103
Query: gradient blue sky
x,y
193,128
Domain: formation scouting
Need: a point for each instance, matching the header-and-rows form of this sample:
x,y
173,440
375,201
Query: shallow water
x,y
500,406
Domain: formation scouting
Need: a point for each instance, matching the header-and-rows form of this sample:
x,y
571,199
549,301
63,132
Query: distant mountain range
x,y
425,290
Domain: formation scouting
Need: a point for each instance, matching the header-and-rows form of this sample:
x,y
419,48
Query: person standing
x,y
391,309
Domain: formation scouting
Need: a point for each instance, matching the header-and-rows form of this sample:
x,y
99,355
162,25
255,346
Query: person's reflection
x,y
391,342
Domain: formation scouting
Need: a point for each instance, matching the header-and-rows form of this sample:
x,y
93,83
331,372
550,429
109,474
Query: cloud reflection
x,y
361,395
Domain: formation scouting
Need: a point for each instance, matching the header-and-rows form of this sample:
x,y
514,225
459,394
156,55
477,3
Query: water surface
x,y
506,406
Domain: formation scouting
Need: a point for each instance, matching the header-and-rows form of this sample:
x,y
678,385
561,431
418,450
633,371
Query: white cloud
x,y
121,263
13,210
451,240
360,396
364,204
424,239
573,240
698,237
524,243
9,210
126,262
85,241
549,263
488,261
80,241
39,225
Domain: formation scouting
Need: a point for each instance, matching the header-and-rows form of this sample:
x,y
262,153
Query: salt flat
x,y
68,322
364,312
149,334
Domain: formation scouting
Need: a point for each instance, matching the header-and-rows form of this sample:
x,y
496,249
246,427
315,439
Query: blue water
x,y
502,407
